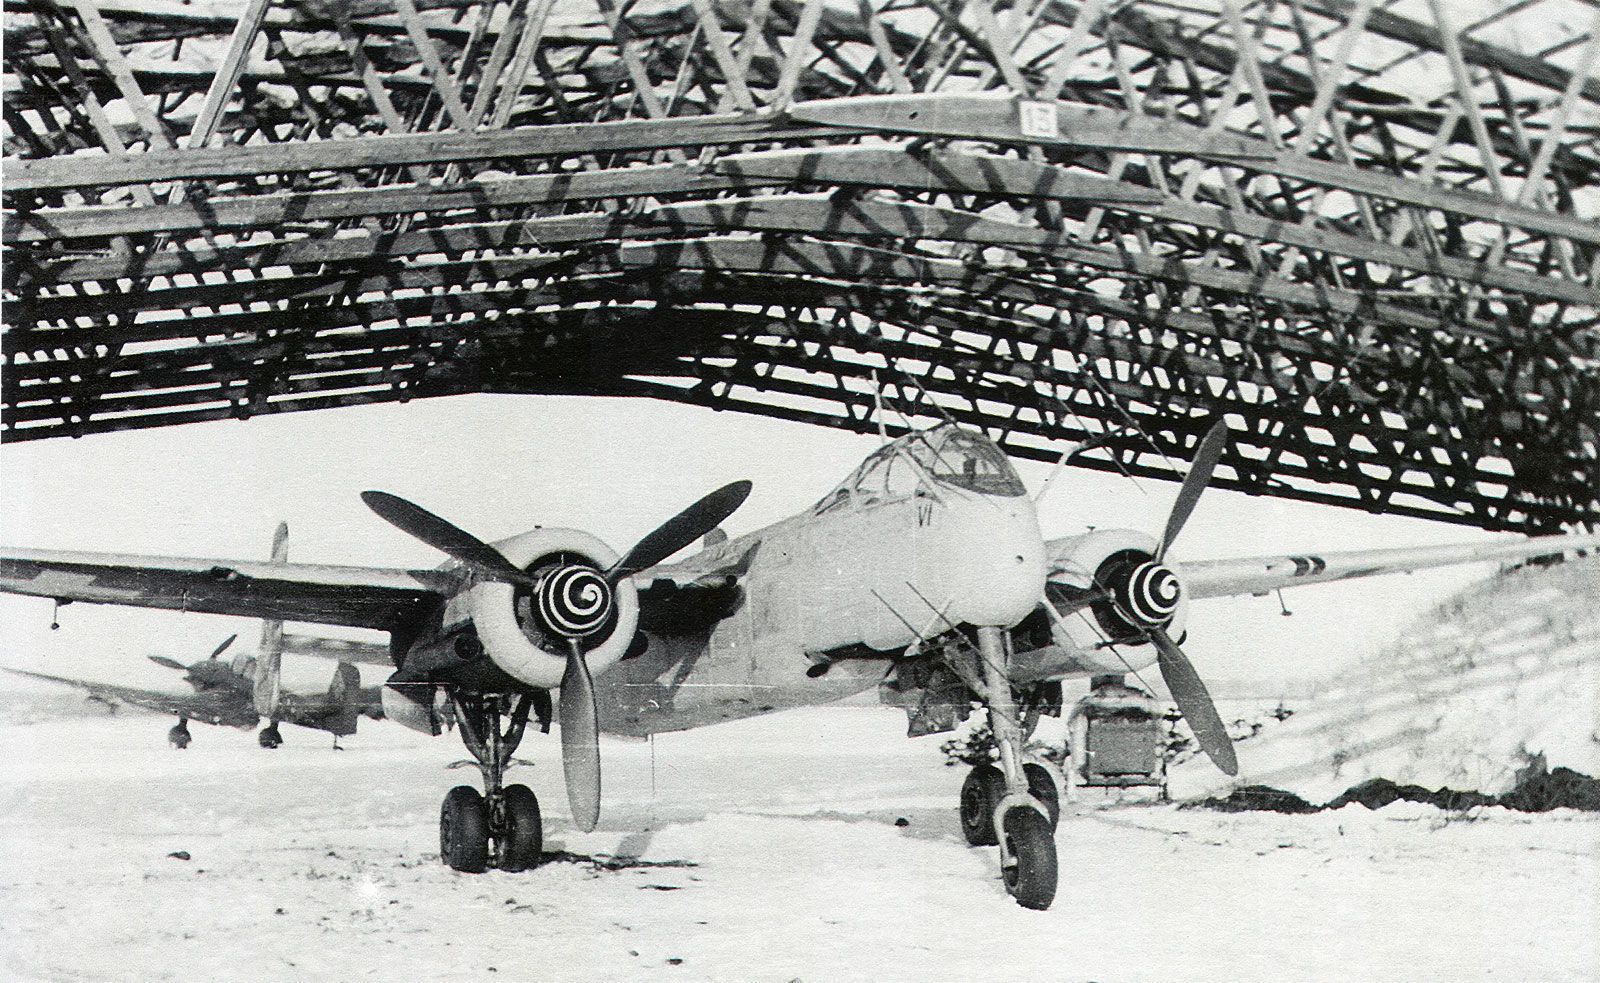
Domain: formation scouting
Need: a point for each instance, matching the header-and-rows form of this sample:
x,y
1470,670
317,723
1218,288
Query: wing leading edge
x,y
1256,575
357,597
204,708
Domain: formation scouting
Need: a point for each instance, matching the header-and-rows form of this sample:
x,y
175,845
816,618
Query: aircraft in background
x,y
924,572
224,694
246,689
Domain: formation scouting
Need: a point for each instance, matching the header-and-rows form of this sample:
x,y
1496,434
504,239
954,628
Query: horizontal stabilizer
x,y
338,649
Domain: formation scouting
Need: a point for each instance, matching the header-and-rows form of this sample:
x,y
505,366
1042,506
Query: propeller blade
x,y
445,537
224,646
1205,462
1195,703
162,660
681,530
580,740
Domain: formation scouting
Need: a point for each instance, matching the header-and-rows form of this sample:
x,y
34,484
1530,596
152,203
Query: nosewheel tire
x,y
464,831
980,793
522,845
1042,787
1031,877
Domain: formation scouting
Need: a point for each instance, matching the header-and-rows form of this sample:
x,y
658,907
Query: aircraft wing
x,y
358,597
338,649
193,705
1257,575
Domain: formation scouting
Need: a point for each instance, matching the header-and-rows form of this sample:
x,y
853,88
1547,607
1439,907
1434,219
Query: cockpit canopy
x,y
947,454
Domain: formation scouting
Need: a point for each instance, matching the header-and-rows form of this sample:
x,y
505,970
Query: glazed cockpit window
x,y
969,461
873,476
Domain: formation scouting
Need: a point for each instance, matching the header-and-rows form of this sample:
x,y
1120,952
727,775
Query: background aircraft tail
x,y
344,699
269,654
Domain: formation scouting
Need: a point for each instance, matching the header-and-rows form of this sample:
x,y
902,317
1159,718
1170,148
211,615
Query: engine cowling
x,y
1114,574
526,631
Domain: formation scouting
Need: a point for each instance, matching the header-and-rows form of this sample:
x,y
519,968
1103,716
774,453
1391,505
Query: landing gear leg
x,y
1021,822
269,737
178,736
506,831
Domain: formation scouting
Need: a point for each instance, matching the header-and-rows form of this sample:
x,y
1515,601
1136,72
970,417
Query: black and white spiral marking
x,y
1151,594
574,601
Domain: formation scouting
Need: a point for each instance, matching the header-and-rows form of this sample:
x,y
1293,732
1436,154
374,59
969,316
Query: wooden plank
x,y
227,77
958,172
794,59
824,216
438,76
58,174
268,211
1528,68
103,48
998,116
871,166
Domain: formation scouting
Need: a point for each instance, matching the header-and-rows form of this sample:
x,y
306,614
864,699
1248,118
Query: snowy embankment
x,y
1504,676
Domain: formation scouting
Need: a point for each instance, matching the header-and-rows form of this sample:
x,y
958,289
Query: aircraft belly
x,y
690,681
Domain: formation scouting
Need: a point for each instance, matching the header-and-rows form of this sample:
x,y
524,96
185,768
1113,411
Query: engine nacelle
x,y
1143,594
525,632
416,707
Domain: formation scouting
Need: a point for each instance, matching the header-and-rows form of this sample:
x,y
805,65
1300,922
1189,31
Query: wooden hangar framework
x,y
1365,231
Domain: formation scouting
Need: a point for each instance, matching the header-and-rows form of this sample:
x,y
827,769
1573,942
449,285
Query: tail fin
x,y
269,654
344,697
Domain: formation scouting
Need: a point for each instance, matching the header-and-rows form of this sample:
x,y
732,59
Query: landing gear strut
x,y
1019,819
178,736
502,827
269,736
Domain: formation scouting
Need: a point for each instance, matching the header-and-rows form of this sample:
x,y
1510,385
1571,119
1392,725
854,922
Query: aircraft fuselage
x,y
845,587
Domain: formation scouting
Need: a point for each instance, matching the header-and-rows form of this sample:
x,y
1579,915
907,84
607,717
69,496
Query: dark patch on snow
x,y
604,862
1562,788
1379,792
1536,791
1257,798
179,854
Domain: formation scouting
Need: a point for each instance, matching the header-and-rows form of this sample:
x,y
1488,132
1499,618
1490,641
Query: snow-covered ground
x,y
823,845
763,850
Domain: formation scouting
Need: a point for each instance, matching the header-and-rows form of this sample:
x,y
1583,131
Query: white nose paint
x,y
994,554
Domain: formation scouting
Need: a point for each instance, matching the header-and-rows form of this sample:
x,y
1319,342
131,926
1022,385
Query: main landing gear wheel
x,y
1030,875
269,737
521,836
179,736
464,831
980,793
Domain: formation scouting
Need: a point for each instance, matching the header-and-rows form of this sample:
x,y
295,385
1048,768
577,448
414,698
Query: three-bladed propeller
x,y
162,660
1194,702
580,717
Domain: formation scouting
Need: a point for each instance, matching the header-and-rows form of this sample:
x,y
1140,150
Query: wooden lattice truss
x,y
1365,231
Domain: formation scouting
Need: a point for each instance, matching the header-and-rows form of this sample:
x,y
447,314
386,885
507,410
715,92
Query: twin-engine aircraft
x,y
245,689
924,570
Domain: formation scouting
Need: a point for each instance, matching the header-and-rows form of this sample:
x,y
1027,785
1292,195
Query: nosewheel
x,y
986,786
1029,870
1015,805
503,827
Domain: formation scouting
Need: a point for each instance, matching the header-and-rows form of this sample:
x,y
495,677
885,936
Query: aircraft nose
x,y
1000,564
